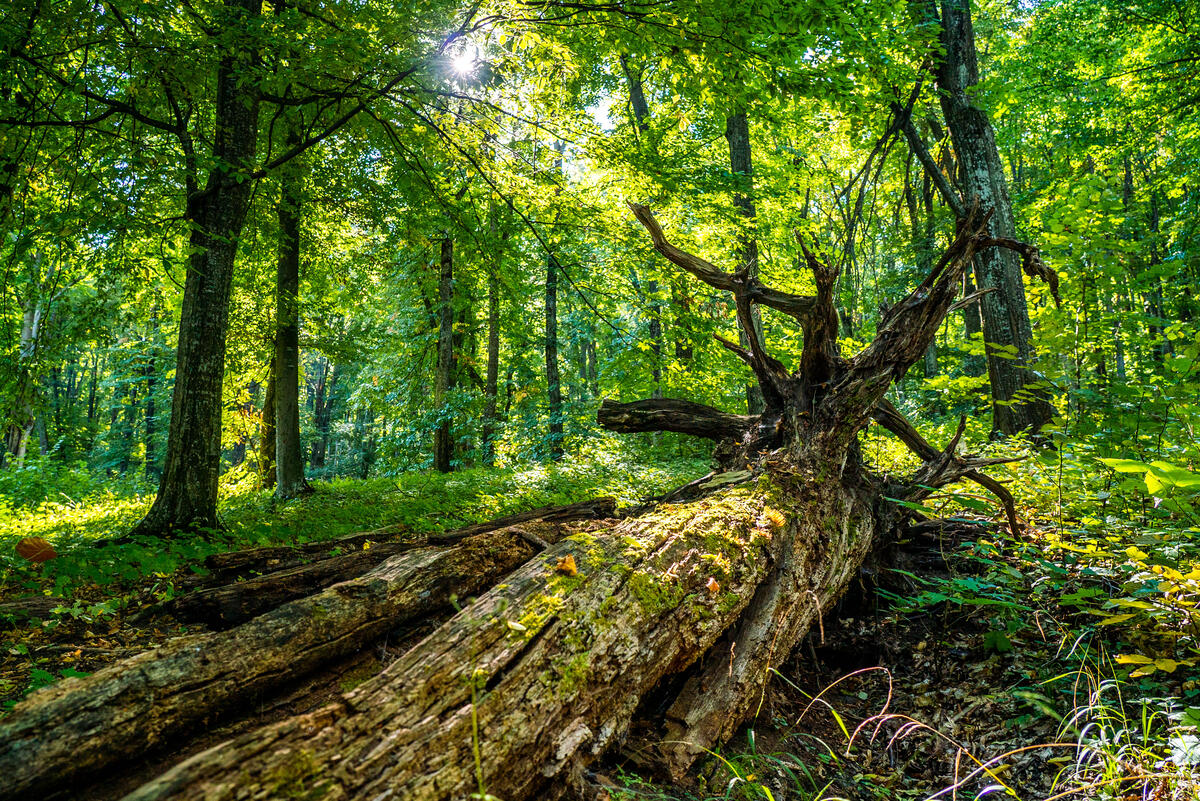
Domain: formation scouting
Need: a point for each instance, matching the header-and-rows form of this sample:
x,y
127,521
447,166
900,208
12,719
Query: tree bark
x,y
289,456
187,494
737,134
443,440
490,419
553,385
266,441
1019,402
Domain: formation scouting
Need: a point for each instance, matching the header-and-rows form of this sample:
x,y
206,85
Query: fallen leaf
x,y
36,550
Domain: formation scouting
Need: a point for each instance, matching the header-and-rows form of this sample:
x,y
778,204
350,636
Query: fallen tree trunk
x,y
668,414
80,726
536,678
230,565
237,601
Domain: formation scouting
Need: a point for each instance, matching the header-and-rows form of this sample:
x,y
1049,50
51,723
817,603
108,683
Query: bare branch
x,y
931,168
888,416
1031,263
798,306
669,414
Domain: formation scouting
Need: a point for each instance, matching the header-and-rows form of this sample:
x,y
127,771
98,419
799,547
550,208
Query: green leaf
x,y
1126,465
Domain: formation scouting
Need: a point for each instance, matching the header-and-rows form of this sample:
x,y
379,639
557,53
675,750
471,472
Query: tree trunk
x,y
737,134
150,373
553,387
490,421
266,441
289,455
93,385
443,439
23,411
323,399
1019,400
187,494
641,111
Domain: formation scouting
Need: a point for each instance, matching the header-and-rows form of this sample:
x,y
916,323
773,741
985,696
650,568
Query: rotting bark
x,y
228,566
303,570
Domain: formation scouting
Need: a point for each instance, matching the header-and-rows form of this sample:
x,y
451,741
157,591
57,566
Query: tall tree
x,y
267,442
553,381
187,495
737,134
641,112
443,439
1018,400
289,457
490,386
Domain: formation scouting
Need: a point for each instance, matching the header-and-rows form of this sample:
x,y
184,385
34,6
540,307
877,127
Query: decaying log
x,y
232,564
595,508
542,673
669,414
80,726
238,601
270,559
40,607
235,602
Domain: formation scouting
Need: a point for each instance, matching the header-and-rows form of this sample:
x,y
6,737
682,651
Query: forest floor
x,y
1054,663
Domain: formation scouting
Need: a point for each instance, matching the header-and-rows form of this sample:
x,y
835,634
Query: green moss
x,y
537,611
573,675
656,593
728,602
293,778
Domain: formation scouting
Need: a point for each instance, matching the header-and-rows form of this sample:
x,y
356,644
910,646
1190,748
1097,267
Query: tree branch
x,y
922,153
798,306
670,414
888,416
